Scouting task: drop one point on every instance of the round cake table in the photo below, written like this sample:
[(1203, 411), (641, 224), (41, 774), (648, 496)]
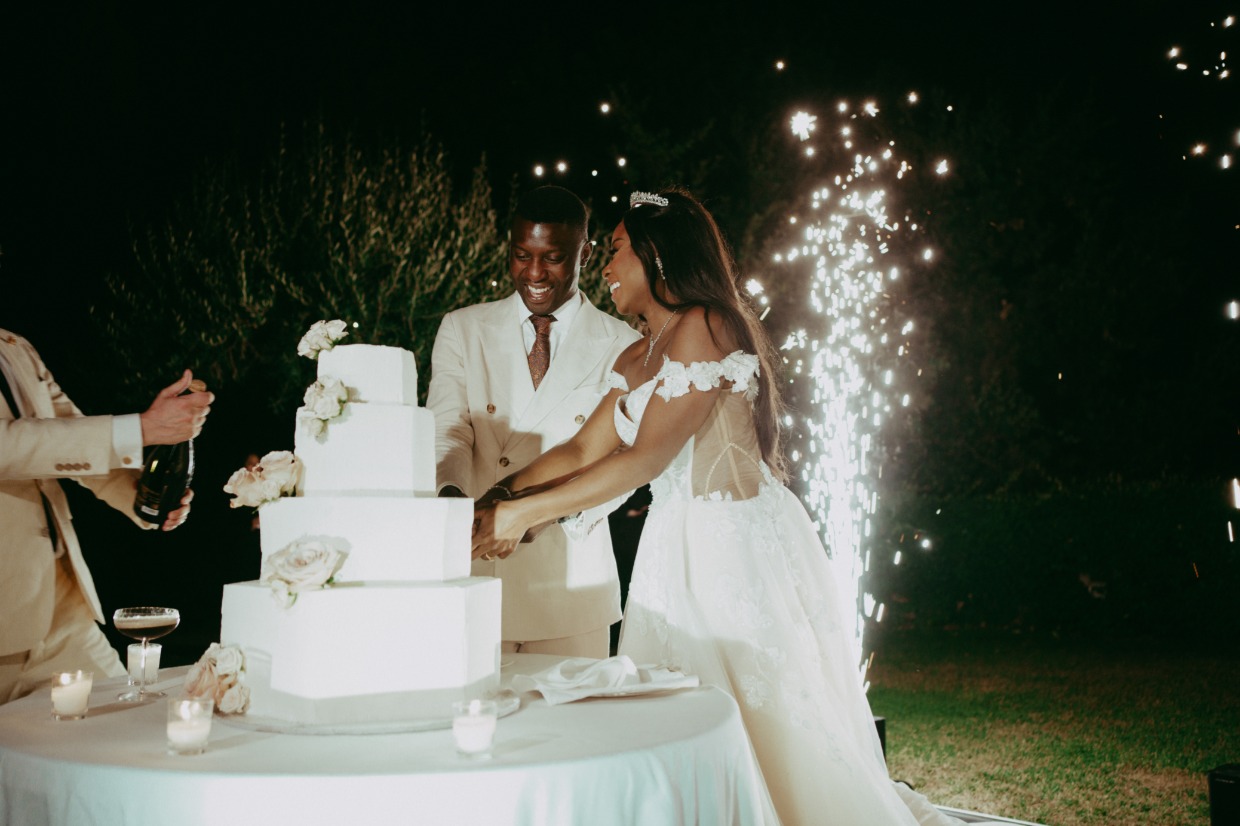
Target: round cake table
[(678, 757)]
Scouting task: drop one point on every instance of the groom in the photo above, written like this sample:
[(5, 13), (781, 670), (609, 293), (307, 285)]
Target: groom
[(511, 379)]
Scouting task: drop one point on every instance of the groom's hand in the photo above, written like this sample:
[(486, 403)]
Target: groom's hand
[(490, 540)]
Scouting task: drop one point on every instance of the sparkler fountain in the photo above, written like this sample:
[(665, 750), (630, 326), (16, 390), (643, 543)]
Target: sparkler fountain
[(850, 363)]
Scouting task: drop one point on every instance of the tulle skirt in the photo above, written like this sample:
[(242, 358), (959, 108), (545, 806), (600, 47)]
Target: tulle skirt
[(741, 593)]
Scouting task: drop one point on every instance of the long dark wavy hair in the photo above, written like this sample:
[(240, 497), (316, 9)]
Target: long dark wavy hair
[(701, 272)]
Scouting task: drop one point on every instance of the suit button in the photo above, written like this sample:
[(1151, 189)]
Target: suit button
[(60, 465), (127, 461), (86, 465), (45, 533), (580, 418), (503, 461), (490, 408), (75, 466)]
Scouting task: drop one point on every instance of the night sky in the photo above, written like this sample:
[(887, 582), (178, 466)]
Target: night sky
[(109, 111)]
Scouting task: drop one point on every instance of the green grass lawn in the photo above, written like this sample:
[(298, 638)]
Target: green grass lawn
[(1065, 733)]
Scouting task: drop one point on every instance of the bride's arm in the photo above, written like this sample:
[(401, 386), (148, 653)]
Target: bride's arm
[(666, 426), (596, 438)]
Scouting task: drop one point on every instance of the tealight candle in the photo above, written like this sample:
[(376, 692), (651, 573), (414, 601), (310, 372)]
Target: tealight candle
[(189, 724), (138, 675), (473, 727), (71, 694)]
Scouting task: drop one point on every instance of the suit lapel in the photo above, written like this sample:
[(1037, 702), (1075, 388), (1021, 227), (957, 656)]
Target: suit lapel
[(506, 368)]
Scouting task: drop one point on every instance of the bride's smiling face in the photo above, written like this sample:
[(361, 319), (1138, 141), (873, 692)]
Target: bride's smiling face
[(630, 289)]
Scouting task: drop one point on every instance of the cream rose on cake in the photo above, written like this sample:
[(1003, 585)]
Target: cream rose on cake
[(305, 565), (217, 675), (321, 336), (275, 475), (324, 400)]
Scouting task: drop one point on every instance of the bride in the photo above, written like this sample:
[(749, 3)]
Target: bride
[(731, 581)]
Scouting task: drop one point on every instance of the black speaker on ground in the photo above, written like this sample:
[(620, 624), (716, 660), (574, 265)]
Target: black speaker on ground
[(880, 723), (1224, 788)]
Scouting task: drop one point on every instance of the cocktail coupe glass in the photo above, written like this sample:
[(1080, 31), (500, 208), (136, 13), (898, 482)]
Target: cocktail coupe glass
[(144, 623)]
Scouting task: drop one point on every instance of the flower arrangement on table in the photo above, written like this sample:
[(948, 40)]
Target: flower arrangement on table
[(218, 675), (307, 564)]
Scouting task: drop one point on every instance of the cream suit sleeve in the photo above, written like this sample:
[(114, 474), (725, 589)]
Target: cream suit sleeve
[(448, 400), (57, 441)]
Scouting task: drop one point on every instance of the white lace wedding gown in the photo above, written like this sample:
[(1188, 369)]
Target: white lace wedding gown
[(732, 583)]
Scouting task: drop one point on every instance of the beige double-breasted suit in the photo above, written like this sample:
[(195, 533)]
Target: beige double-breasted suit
[(491, 422)]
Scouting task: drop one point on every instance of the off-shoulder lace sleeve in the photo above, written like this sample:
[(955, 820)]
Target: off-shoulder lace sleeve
[(616, 381), (739, 368)]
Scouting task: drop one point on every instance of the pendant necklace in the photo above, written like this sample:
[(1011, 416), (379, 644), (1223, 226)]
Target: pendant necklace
[(655, 339)]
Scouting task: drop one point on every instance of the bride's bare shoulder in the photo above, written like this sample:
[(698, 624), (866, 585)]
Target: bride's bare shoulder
[(700, 337), (630, 357)]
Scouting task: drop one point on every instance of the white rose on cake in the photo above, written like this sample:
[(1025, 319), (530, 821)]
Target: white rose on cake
[(305, 565), (274, 476), (322, 335), (324, 400), (250, 489), (283, 468)]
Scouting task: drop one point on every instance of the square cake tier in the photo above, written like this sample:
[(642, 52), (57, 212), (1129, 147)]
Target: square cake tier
[(369, 449), (359, 653), (373, 374), (386, 537)]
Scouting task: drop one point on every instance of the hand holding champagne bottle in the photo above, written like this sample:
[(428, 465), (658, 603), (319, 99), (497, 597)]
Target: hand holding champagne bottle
[(169, 425)]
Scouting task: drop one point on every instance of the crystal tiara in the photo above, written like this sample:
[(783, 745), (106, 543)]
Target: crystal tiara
[(639, 198)]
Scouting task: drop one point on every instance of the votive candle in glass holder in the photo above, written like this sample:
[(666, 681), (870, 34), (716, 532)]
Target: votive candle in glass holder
[(71, 694), (189, 724), (473, 727), (136, 666)]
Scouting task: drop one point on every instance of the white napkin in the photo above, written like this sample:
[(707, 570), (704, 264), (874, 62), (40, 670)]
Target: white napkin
[(579, 677)]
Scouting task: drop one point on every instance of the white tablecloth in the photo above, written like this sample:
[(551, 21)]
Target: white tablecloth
[(675, 758)]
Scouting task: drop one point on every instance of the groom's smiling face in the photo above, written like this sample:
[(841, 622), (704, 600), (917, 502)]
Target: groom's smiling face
[(545, 262)]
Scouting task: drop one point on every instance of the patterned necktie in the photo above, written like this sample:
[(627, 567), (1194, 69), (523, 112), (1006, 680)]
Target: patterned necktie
[(540, 353)]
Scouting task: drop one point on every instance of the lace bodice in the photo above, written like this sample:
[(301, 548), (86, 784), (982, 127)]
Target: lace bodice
[(723, 459)]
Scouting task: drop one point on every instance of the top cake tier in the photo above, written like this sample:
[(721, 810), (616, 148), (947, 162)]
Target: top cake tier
[(373, 374)]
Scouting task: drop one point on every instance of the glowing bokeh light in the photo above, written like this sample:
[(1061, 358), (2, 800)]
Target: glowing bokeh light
[(803, 124), (1208, 61)]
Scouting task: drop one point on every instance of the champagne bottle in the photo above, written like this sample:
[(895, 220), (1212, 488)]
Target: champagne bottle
[(166, 475)]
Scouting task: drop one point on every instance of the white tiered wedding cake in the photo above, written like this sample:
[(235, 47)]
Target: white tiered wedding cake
[(403, 629)]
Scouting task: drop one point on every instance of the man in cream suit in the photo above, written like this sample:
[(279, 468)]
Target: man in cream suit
[(505, 387), (48, 605)]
